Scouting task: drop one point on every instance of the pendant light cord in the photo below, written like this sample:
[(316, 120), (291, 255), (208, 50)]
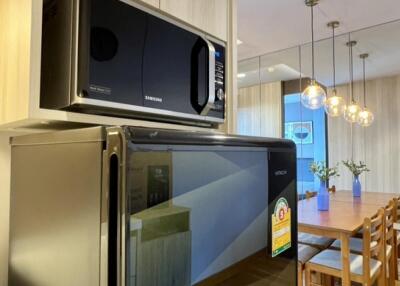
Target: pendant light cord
[(351, 69), (312, 42), (365, 97), (333, 58)]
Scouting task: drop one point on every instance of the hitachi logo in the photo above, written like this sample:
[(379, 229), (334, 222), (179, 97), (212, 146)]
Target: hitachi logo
[(281, 173), (152, 98)]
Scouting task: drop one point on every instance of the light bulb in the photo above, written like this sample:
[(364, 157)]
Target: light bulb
[(314, 96), (335, 105), (365, 117), (351, 113)]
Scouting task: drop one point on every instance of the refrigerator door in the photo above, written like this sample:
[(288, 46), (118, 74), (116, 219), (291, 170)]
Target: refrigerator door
[(206, 209)]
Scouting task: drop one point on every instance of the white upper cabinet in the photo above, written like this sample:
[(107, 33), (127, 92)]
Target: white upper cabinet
[(210, 16)]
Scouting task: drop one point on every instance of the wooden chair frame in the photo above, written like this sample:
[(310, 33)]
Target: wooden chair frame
[(396, 203), (374, 247), (390, 217)]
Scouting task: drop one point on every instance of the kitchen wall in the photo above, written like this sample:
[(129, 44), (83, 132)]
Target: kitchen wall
[(377, 145), (259, 110)]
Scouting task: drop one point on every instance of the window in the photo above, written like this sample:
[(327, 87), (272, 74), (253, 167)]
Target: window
[(307, 128)]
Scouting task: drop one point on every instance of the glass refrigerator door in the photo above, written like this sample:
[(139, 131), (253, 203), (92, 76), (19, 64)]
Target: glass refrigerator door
[(200, 215)]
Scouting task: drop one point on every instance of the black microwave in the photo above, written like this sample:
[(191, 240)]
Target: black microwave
[(119, 58)]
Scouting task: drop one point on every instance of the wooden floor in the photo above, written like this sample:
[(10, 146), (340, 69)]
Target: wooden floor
[(259, 270)]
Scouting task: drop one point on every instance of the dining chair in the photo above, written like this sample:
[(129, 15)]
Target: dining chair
[(391, 244), (366, 268), (310, 194), (304, 254), (356, 244), (397, 233)]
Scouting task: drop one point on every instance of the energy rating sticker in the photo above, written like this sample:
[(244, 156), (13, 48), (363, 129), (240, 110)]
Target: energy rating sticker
[(281, 234)]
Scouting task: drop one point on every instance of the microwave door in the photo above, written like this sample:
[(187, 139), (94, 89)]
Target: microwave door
[(178, 69)]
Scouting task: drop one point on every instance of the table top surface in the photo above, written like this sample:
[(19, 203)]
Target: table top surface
[(378, 199), (345, 214)]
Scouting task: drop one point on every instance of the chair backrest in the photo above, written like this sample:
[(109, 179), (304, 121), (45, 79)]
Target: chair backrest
[(390, 218), (310, 194), (374, 241), (397, 208)]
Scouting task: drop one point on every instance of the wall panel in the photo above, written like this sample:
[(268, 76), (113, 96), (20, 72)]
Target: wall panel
[(271, 109), (260, 110), (377, 145), (249, 111)]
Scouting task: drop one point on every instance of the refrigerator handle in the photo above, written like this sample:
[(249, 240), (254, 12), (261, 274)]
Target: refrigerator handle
[(113, 224)]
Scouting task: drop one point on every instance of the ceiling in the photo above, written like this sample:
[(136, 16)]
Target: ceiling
[(265, 26), (381, 41)]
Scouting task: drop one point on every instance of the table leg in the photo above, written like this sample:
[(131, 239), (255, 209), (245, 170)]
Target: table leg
[(344, 238)]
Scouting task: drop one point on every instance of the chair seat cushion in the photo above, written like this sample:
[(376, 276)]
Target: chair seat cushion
[(333, 259), (356, 245), (305, 252), (320, 242)]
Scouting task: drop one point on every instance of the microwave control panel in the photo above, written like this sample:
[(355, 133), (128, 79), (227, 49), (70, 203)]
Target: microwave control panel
[(219, 78)]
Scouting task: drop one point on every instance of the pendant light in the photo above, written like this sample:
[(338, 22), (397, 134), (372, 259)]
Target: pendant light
[(314, 96), (335, 105), (353, 109), (365, 117)]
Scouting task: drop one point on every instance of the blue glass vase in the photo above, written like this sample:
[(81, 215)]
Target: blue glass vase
[(356, 187), (323, 197)]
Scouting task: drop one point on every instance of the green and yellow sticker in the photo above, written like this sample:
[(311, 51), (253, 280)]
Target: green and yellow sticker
[(281, 227)]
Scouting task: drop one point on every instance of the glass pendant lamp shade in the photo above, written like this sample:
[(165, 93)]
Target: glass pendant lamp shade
[(334, 105), (351, 113), (314, 96), (353, 109), (365, 117)]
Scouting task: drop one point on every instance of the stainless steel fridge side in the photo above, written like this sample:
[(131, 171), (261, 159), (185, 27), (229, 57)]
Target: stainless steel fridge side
[(55, 209)]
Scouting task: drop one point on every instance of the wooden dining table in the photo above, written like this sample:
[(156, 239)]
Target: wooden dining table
[(343, 219)]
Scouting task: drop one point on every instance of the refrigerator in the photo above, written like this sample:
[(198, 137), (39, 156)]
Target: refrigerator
[(130, 206)]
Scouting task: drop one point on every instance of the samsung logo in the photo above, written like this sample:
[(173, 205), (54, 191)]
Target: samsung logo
[(281, 173), (152, 98)]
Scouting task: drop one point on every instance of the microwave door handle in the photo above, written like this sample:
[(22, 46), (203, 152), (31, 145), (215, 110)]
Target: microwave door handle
[(211, 78)]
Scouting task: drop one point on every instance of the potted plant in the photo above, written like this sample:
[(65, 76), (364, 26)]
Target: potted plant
[(356, 170), (324, 173)]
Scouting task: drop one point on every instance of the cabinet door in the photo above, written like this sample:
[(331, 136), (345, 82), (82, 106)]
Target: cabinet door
[(207, 15)]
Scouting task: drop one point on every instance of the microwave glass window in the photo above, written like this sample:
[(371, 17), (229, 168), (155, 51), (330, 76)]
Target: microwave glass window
[(117, 38)]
